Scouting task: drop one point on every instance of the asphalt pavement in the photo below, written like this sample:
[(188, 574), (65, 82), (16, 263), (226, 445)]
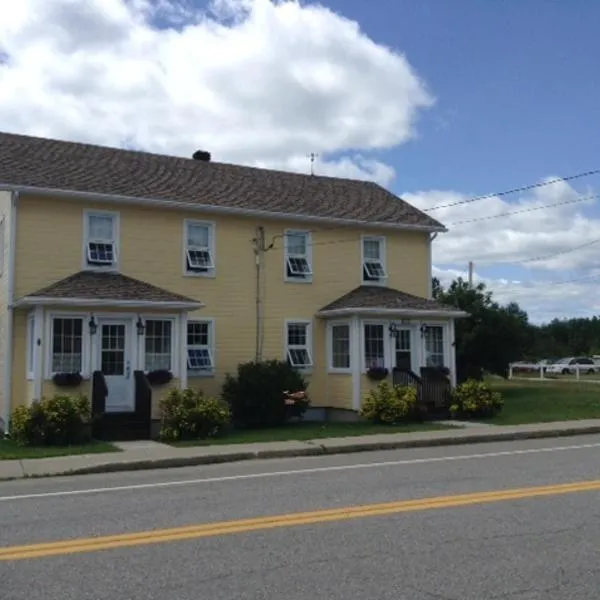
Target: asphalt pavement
[(463, 522)]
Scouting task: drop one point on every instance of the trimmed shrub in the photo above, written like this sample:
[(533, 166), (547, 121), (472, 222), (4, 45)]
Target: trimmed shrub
[(189, 415), (475, 399), (58, 421), (259, 395), (390, 405)]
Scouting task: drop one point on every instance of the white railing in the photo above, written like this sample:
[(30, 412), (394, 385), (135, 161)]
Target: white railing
[(529, 371)]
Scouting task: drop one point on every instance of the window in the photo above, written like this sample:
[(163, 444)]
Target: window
[(298, 257), (199, 248), (298, 345), (373, 266), (434, 346), (158, 345), (199, 346), (101, 239), (374, 346), (30, 345), (67, 344), (340, 346)]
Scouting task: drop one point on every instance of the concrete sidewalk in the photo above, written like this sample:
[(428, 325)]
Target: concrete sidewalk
[(153, 455)]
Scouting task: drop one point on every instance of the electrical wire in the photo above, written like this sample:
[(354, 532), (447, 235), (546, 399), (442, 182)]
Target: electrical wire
[(524, 188)]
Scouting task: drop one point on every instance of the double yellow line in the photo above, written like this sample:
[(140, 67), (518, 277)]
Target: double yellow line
[(178, 534)]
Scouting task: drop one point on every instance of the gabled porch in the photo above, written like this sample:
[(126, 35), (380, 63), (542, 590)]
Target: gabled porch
[(374, 328), (116, 339)]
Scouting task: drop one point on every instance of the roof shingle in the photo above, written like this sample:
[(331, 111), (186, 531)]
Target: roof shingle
[(375, 296), (44, 163), (92, 285)]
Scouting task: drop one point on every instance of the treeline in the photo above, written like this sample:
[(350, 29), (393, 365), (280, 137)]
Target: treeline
[(494, 335)]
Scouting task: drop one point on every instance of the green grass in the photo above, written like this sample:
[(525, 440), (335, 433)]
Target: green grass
[(310, 430), (544, 402), (11, 451)]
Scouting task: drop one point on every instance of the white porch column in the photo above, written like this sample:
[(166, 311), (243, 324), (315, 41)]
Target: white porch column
[(355, 360), (38, 351), (452, 352), (182, 350)]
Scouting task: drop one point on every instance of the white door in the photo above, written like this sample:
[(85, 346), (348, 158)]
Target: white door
[(115, 364), (402, 350)]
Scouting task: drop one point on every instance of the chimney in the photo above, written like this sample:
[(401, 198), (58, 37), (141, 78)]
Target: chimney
[(201, 155)]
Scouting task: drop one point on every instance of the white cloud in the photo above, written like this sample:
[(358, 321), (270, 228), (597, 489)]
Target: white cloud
[(252, 81)]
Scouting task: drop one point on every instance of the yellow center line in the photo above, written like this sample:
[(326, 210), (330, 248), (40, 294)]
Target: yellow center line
[(126, 540)]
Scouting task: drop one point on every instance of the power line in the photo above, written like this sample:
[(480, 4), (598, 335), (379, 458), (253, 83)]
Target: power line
[(524, 188), (560, 253)]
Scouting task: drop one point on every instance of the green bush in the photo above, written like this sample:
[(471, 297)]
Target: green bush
[(390, 405), (257, 394), (475, 399), (58, 421), (188, 414)]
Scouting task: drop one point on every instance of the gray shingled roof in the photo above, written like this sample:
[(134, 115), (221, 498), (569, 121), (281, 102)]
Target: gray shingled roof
[(92, 285), (375, 296), (44, 163)]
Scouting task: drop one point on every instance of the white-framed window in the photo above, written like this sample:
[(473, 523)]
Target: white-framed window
[(200, 347), (298, 336), (101, 239), (67, 345), (199, 248), (298, 256), (339, 346), (373, 260), (30, 345), (158, 345), (434, 346), (374, 345)]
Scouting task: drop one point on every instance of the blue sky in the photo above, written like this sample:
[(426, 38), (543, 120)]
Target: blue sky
[(438, 100)]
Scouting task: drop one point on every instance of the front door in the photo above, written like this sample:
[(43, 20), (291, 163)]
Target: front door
[(403, 350), (115, 364)]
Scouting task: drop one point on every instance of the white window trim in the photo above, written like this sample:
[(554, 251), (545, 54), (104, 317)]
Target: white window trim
[(174, 341), (309, 341), (212, 233), (308, 256), (330, 367), (211, 349), (387, 349), (383, 258), (115, 216), (30, 352), (85, 342)]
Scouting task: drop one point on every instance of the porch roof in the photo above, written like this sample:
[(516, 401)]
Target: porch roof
[(380, 300), (93, 288)]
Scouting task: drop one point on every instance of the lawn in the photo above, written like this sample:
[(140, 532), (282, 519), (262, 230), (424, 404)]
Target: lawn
[(311, 430), (543, 402), (11, 451)]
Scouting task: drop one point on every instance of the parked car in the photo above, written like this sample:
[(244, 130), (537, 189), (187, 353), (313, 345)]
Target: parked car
[(569, 366)]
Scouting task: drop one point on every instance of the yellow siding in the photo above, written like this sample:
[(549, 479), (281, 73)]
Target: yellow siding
[(158, 393), (338, 388), (19, 387), (367, 384), (50, 242)]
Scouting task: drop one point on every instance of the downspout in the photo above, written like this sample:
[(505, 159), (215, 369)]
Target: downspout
[(10, 290), (430, 265)]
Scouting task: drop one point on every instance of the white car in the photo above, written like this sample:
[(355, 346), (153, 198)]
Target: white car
[(570, 365)]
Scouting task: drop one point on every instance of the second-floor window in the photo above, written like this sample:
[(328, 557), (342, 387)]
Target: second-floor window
[(101, 239), (298, 256), (199, 248), (373, 260)]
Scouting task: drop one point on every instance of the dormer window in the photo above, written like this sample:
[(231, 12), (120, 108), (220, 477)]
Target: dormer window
[(298, 256), (373, 260), (101, 235)]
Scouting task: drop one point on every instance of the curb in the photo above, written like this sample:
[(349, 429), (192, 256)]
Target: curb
[(317, 450)]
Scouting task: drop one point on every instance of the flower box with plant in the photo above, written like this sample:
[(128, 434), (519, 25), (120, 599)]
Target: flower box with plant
[(67, 380), (159, 377), (377, 373)]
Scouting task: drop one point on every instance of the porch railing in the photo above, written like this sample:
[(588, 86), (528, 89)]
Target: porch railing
[(433, 387)]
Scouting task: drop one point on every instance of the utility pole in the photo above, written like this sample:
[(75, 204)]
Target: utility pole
[(312, 157), (260, 248), (471, 273)]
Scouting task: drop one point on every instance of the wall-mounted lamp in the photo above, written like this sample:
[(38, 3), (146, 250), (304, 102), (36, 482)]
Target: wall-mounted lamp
[(424, 329), (92, 325), (394, 330), (140, 326)]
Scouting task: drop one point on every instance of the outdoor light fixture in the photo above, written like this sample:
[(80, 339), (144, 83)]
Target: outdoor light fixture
[(394, 331), (424, 329), (92, 325), (140, 326)]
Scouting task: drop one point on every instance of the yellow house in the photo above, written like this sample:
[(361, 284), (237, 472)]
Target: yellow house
[(121, 270)]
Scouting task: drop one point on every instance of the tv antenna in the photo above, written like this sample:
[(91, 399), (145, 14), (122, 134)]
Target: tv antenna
[(312, 157)]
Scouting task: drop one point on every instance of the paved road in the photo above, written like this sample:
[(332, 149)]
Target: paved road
[(460, 543)]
